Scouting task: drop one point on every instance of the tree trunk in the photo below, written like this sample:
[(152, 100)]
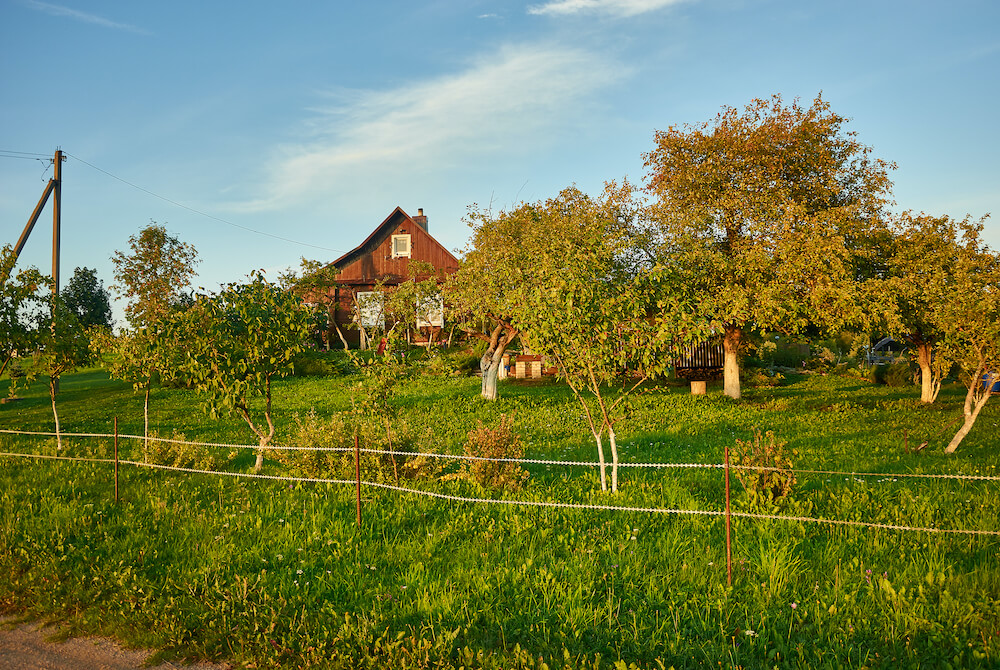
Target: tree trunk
[(53, 382), (145, 418), (975, 400), (731, 365), (600, 459), (927, 381), (614, 459), (490, 367), (341, 336)]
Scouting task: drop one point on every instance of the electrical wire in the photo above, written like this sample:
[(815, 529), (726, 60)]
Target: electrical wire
[(200, 213)]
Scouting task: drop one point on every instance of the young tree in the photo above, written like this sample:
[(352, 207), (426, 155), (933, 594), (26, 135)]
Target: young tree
[(153, 278), (760, 210), (417, 302), (87, 298), (63, 345), (154, 275), (969, 322), (607, 327), (921, 265), (20, 306), (312, 284), (488, 286), (237, 342)]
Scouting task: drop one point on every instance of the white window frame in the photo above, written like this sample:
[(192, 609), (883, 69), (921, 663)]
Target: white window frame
[(432, 307), (396, 252), (370, 312)]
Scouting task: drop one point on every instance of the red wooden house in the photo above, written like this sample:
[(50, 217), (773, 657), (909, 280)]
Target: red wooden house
[(384, 256)]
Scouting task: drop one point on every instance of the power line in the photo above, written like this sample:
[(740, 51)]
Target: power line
[(200, 213), (30, 154)]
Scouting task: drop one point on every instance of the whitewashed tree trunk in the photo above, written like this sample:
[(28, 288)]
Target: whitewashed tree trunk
[(53, 381), (600, 460), (731, 364), (614, 459), (490, 367), (975, 400)]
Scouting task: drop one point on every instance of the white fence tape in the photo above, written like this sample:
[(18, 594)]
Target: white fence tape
[(520, 503), (524, 461)]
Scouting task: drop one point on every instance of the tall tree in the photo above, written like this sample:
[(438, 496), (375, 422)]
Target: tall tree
[(87, 298), (760, 208), (237, 342)]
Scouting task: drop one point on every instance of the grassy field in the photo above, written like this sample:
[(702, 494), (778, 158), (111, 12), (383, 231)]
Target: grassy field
[(271, 573)]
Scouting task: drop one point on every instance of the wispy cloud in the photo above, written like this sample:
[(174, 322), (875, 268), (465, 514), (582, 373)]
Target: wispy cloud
[(507, 102), (613, 7), (59, 10)]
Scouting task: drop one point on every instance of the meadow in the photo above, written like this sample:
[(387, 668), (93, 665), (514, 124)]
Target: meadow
[(262, 573)]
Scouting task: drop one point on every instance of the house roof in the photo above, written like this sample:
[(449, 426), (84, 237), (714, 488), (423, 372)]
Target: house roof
[(372, 241)]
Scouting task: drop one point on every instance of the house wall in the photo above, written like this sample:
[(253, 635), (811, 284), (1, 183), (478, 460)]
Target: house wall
[(373, 261)]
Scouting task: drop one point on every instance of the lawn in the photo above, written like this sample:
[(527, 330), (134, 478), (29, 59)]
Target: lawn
[(265, 573)]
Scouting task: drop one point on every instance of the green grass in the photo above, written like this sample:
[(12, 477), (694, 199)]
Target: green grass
[(272, 574)]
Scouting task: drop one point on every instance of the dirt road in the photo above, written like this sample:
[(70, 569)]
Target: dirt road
[(26, 647)]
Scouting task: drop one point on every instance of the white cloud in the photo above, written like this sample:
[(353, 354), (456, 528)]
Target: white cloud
[(615, 7), (511, 101), (59, 10)]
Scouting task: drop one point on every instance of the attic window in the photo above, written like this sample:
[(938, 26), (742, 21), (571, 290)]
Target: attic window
[(400, 246)]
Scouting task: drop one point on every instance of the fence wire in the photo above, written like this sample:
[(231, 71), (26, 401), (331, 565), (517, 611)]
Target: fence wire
[(510, 502), (520, 461)]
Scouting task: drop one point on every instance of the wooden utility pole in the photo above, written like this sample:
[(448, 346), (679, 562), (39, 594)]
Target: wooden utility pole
[(56, 220), (53, 187)]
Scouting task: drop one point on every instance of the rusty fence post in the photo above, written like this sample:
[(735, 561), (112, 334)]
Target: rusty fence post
[(116, 460)]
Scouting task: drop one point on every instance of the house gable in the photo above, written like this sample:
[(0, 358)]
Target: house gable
[(374, 259)]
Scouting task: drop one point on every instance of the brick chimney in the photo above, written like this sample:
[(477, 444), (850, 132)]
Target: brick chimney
[(420, 219)]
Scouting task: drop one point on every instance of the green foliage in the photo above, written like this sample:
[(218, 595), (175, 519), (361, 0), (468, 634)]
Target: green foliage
[(236, 343), (153, 275), (763, 212), (21, 307), (314, 363), (894, 375), (87, 298), (770, 477), (500, 442), (176, 453)]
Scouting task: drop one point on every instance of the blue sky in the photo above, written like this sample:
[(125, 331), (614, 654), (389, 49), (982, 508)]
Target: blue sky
[(311, 121)]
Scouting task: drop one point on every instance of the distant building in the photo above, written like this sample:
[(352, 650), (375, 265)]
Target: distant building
[(384, 256)]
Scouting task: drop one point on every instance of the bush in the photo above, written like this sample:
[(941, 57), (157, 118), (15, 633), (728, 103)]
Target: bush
[(178, 454), (494, 443), (773, 480), (896, 375), (337, 432), (315, 363), (760, 378)]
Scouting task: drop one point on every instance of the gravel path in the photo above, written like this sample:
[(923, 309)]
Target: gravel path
[(26, 646)]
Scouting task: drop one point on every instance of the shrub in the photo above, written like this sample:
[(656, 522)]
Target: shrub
[(770, 477), (499, 442), (178, 454), (759, 378), (337, 432), (896, 375), (899, 375), (312, 362)]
